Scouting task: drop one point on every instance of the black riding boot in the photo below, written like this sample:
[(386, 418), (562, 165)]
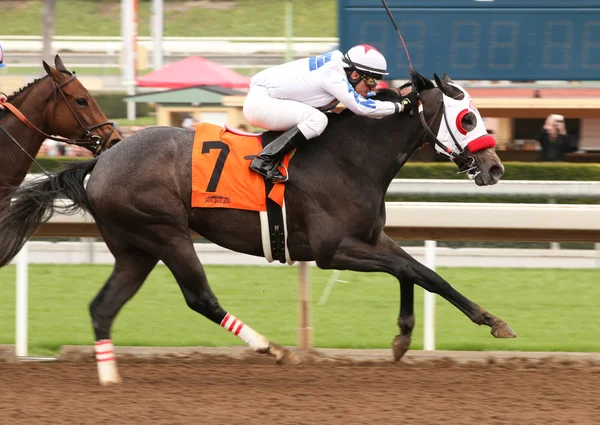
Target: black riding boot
[(267, 161)]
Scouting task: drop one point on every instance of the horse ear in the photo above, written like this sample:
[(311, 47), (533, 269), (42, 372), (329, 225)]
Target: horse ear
[(47, 68), (53, 73), (58, 63), (420, 82), (446, 78), (446, 88), (442, 85)]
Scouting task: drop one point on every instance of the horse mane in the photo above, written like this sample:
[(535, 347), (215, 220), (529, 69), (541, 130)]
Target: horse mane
[(37, 80), (22, 89)]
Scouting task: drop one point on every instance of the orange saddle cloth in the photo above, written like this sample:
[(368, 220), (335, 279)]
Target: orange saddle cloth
[(222, 178)]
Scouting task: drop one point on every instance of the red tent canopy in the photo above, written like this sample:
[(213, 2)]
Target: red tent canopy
[(193, 71)]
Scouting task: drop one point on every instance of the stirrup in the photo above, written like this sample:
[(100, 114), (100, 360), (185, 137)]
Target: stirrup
[(287, 175)]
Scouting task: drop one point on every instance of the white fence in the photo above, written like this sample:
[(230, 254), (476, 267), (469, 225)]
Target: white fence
[(172, 45), (107, 52), (552, 190), (93, 251), (405, 220)]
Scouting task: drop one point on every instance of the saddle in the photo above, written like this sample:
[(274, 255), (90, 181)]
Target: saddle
[(221, 178)]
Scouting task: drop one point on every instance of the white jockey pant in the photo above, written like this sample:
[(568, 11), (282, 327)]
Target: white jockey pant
[(261, 110)]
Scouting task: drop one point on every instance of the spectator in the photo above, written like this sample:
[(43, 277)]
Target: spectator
[(188, 121), (554, 140)]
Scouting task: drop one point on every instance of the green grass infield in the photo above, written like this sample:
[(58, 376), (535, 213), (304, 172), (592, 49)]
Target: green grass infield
[(550, 309)]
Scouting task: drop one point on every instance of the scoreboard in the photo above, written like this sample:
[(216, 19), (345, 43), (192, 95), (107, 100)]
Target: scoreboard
[(480, 39)]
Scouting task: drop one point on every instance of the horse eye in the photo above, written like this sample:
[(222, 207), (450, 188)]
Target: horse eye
[(469, 122), (81, 101)]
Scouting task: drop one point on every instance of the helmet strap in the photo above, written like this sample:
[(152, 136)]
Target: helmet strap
[(353, 81)]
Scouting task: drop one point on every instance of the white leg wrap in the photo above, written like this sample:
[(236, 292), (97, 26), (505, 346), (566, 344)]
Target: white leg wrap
[(244, 332), (107, 362)]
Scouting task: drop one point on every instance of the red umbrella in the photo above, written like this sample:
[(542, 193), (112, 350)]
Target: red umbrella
[(193, 71)]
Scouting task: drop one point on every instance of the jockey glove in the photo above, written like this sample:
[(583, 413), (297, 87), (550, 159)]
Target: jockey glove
[(410, 102)]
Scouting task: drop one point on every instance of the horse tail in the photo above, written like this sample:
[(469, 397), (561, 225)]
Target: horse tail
[(33, 205)]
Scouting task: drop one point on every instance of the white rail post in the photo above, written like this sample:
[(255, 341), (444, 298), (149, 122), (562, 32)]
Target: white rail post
[(21, 343), (429, 301)]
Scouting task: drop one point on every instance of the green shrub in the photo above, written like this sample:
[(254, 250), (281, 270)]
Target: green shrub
[(514, 171), (54, 163), (114, 107)]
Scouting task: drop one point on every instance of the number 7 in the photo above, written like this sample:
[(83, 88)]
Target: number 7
[(216, 174)]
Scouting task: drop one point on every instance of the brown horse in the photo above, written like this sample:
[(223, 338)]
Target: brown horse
[(140, 193), (57, 104)]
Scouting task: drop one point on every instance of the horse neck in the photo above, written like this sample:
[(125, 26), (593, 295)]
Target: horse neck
[(383, 146), (32, 102)]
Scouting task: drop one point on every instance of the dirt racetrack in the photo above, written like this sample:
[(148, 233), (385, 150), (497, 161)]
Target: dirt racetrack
[(199, 389)]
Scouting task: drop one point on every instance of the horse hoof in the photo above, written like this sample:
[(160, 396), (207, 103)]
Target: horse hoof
[(502, 330), (288, 359), (283, 356), (400, 346)]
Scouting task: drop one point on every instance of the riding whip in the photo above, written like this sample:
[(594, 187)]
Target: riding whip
[(387, 9)]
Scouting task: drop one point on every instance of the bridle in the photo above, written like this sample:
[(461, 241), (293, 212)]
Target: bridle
[(464, 161), (97, 144)]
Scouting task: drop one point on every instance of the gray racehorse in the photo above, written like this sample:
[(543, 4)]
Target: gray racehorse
[(140, 196)]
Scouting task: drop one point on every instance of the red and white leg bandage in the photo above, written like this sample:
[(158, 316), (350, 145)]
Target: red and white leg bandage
[(244, 332), (105, 351), (106, 361)]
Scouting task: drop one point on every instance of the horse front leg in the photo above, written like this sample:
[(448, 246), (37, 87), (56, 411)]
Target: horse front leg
[(406, 320), (433, 282), (386, 256)]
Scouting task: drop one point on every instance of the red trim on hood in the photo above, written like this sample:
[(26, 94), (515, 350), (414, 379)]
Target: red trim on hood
[(459, 118), (481, 143)]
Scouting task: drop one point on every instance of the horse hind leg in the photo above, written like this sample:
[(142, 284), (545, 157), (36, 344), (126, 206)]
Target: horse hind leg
[(178, 254), (132, 266)]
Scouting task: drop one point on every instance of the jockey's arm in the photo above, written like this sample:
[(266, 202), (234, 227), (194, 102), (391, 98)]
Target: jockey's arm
[(338, 85)]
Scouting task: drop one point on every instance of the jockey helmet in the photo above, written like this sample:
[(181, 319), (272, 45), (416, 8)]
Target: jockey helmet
[(366, 60), (1, 57)]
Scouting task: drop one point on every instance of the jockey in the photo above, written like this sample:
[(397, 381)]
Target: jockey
[(293, 96), (2, 64)]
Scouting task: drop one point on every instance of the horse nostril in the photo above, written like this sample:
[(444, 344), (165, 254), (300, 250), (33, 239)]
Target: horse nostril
[(496, 171)]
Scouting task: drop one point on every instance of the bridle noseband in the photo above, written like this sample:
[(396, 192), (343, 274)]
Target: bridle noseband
[(88, 138)]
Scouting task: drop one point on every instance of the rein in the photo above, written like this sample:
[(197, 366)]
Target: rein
[(88, 139), (465, 162)]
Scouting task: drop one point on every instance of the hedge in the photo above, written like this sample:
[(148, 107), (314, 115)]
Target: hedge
[(114, 107), (513, 171)]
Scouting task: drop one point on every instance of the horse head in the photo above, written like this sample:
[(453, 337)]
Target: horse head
[(75, 112), (456, 127)]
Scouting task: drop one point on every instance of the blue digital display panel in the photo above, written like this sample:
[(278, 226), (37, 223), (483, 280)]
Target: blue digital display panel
[(480, 40)]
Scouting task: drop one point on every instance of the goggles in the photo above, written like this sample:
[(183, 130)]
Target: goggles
[(369, 81)]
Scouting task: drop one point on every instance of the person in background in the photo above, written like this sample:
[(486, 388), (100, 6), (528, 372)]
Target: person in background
[(554, 140), (188, 121), (3, 97)]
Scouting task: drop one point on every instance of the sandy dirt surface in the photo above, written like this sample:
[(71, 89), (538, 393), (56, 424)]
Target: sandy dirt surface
[(217, 389)]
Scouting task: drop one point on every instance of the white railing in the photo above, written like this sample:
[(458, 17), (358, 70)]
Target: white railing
[(405, 220), (172, 45), (515, 188), (552, 190)]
